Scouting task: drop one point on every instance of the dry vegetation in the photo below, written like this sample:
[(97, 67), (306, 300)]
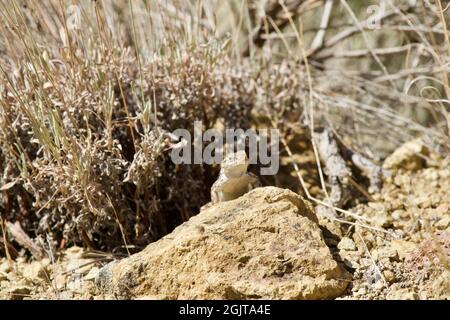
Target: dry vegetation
[(84, 159)]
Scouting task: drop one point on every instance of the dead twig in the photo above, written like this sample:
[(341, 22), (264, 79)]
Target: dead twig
[(364, 52), (319, 38), (335, 166), (24, 240), (273, 12), (4, 242)]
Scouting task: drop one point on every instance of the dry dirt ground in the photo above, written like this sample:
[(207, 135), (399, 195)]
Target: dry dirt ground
[(403, 255)]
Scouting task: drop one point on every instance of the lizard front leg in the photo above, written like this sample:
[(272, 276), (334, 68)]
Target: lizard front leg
[(217, 196), (214, 197), (253, 181)]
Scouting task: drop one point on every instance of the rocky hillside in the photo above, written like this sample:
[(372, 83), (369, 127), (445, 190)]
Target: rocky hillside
[(270, 244)]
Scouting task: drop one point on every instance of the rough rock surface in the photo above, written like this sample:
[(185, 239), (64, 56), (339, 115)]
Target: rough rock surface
[(264, 245), (409, 156), (414, 264)]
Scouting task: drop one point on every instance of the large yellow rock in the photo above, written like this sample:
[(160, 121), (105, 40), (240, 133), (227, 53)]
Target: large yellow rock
[(264, 245)]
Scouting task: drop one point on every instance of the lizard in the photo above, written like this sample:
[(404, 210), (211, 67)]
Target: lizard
[(234, 180)]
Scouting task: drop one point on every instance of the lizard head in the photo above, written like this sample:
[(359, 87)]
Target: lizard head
[(235, 164)]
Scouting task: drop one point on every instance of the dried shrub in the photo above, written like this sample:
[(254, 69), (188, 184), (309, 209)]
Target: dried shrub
[(82, 138)]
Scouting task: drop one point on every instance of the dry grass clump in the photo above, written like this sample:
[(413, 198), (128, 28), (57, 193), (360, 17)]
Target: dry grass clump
[(84, 158)]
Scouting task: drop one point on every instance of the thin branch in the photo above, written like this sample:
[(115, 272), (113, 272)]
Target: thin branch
[(24, 240), (319, 38), (364, 52)]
